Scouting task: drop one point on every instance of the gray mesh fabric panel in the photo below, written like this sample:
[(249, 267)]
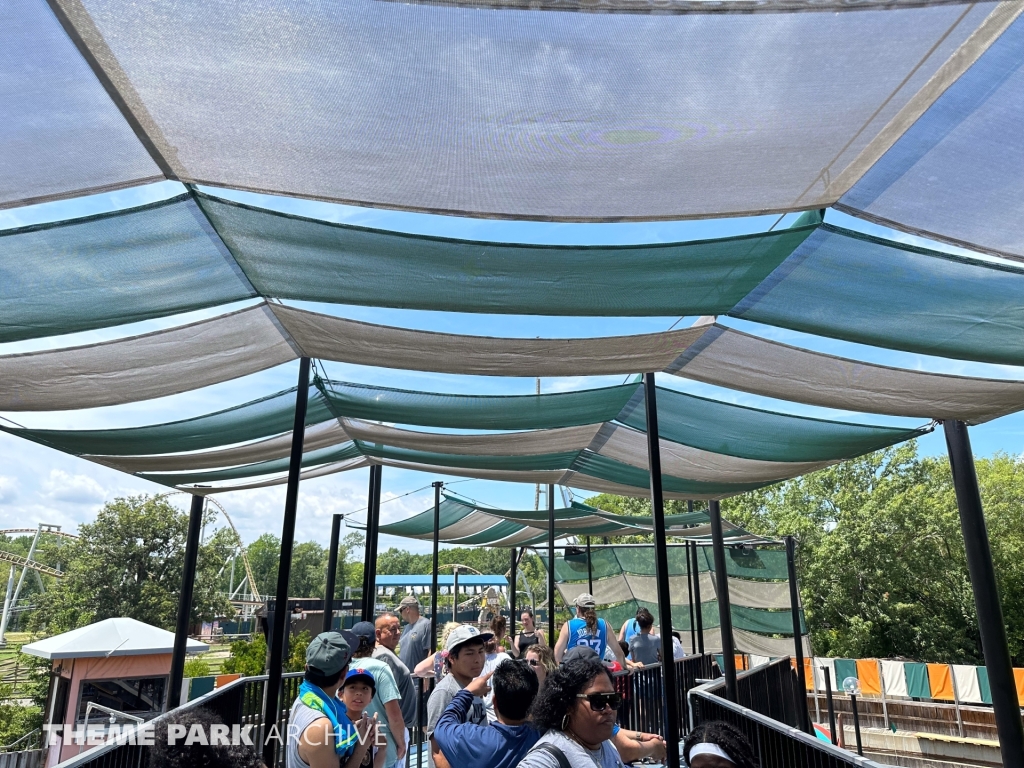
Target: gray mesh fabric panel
[(956, 174), (740, 361), (317, 436), (60, 133), (297, 258), (859, 288), (332, 338), (518, 112), (144, 367), (112, 269)]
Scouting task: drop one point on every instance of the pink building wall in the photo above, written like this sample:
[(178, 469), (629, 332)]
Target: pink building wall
[(79, 670)]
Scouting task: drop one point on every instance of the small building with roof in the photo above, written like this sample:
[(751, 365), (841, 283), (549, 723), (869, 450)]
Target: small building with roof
[(120, 664)]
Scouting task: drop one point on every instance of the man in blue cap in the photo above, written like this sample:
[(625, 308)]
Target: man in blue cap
[(320, 733)]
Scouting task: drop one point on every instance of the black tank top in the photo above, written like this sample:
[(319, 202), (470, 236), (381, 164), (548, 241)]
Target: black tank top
[(525, 641)]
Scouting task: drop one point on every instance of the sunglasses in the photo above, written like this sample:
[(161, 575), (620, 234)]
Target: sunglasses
[(533, 662), (598, 701)]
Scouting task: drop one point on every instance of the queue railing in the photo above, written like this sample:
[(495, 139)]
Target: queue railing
[(768, 713)]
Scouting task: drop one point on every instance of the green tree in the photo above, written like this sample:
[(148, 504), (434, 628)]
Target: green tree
[(129, 562), (197, 666), (248, 657)]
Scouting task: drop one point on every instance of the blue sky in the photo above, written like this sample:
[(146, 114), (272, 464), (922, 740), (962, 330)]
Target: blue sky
[(41, 485)]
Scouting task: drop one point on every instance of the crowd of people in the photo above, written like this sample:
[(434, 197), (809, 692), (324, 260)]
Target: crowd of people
[(491, 701)]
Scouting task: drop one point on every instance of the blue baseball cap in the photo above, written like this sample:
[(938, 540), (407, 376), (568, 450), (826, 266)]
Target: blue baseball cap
[(359, 675)]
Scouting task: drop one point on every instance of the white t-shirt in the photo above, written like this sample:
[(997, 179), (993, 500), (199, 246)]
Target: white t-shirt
[(677, 649), (490, 664), (578, 757)]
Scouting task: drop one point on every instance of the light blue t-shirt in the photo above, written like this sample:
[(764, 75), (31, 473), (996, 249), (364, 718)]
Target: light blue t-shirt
[(580, 635)]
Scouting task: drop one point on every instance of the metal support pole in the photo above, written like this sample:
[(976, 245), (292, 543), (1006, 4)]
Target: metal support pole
[(188, 581), (7, 605), (856, 724), (366, 546), (986, 596), (513, 578), (590, 570), (885, 706), (831, 706), (370, 608), (332, 573), (551, 566), (668, 668), (724, 607), (433, 577), (279, 628), (798, 640), (698, 607), (455, 593), (17, 590), (689, 598)]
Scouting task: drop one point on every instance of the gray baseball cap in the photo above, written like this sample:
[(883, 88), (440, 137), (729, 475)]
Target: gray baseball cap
[(328, 652), (585, 601), (580, 652)]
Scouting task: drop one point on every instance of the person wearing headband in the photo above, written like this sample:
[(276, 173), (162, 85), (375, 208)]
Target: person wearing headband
[(717, 744)]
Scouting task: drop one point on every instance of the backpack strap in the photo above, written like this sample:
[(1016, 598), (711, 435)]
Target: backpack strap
[(559, 755)]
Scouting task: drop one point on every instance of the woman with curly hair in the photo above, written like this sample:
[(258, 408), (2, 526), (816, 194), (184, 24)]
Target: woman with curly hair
[(576, 710), (542, 660), (718, 744)]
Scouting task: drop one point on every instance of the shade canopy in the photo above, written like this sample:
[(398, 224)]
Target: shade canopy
[(592, 439), (466, 523)]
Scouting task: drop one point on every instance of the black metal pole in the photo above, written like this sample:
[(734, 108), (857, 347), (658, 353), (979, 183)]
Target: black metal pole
[(698, 607), (513, 576), (590, 570), (279, 628), (668, 668), (188, 582), (332, 573), (831, 706), (366, 545), (455, 593), (856, 724), (689, 598), (724, 607), (551, 566), (375, 507), (986, 596), (798, 640), (433, 577)]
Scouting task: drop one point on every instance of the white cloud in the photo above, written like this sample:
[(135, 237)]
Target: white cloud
[(8, 489), (75, 489)]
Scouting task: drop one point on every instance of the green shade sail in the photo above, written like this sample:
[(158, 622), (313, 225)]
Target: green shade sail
[(267, 416), (752, 433), (299, 258), (490, 412), (114, 268), (860, 288)]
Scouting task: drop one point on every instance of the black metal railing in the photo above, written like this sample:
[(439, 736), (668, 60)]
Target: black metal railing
[(237, 703), (643, 693), (768, 713), (241, 703)]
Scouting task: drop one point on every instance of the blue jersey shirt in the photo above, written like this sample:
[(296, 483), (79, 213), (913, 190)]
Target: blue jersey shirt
[(580, 635)]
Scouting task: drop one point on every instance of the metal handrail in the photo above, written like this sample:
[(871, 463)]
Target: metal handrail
[(29, 735), (707, 692)]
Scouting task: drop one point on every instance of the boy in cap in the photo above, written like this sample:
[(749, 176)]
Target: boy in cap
[(587, 629), (357, 692), (320, 733), (464, 659), (386, 699)]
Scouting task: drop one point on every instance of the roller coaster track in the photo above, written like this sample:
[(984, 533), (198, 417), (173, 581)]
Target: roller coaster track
[(238, 537), (50, 532), (22, 562)]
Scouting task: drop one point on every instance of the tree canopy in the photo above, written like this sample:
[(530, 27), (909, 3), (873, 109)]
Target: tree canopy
[(129, 563)]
